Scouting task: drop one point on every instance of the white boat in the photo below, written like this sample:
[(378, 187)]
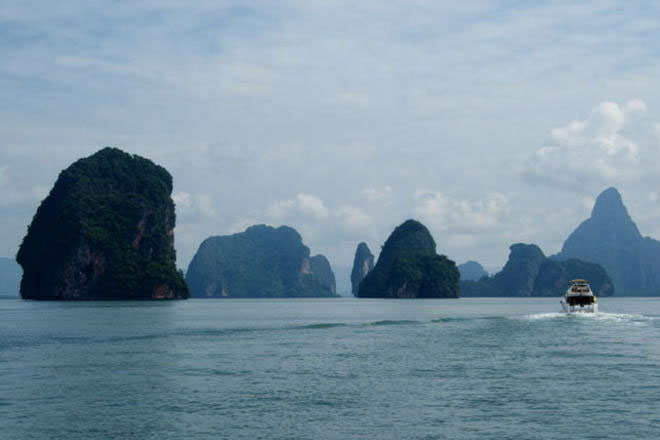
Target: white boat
[(579, 298)]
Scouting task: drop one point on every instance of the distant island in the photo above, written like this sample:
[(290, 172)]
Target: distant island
[(409, 267), (611, 238), (261, 262), (528, 272), (105, 232)]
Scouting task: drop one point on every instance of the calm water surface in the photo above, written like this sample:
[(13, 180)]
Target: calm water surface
[(329, 369)]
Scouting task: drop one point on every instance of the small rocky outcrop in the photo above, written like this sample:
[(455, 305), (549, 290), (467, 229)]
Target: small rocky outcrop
[(322, 272), (363, 263), (409, 267), (528, 272), (105, 232), (611, 238), (261, 262), (471, 270)]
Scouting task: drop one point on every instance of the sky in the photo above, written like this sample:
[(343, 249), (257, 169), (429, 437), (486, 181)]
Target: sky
[(492, 122)]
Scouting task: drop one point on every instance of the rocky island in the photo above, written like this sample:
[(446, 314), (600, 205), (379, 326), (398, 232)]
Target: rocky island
[(261, 262), (363, 263), (409, 267), (611, 238), (104, 232), (528, 272)]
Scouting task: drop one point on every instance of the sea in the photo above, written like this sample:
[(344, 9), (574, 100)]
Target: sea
[(475, 368)]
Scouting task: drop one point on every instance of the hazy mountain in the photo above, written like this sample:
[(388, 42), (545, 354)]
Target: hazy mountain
[(408, 267), (105, 231), (611, 238), (261, 262), (471, 270)]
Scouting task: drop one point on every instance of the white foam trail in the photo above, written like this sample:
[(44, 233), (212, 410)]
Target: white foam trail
[(599, 316), (543, 316)]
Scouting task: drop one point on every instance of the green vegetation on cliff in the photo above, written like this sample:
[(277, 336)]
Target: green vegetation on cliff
[(262, 262), (408, 267), (105, 231)]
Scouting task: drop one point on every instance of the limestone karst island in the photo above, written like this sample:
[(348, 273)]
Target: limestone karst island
[(105, 231)]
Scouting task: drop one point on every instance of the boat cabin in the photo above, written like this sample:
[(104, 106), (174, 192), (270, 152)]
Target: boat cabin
[(580, 286)]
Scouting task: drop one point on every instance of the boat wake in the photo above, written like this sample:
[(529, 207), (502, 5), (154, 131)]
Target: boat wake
[(598, 316)]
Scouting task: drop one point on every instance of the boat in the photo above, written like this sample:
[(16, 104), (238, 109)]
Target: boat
[(579, 298)]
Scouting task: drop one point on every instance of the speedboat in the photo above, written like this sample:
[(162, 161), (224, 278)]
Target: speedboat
[(579, 298)]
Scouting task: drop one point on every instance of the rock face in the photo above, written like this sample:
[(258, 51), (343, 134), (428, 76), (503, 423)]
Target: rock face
[(520, 271), (408, 267), (610, 238), (10, 277), (262, 262), (363, 263), (471, 270), (105, 232), (322, 272), (528, 272)]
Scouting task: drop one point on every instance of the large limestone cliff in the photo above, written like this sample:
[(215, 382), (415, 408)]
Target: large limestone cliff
[(105, 232), (408, 267), (261, 262), (611, 238)]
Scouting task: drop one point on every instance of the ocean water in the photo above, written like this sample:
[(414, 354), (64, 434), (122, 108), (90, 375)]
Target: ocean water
[(329, 369)]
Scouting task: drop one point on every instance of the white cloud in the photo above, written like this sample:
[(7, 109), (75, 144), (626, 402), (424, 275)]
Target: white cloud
[(194, 205), (635, 106), (311, 205), (377, 194), (447, 213), (181, 198), (306, 205), (352, 217), (590, 152)]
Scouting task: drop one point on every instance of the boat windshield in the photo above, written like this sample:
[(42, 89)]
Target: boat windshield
[(580, 300)]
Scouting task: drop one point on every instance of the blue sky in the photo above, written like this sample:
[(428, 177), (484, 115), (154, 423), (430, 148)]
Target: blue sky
[(493, 122)]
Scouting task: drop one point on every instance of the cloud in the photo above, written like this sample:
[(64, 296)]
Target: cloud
[(447, 213), (199, 206), (306, 205), (373, 194), (352, 217), (590, 152)]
